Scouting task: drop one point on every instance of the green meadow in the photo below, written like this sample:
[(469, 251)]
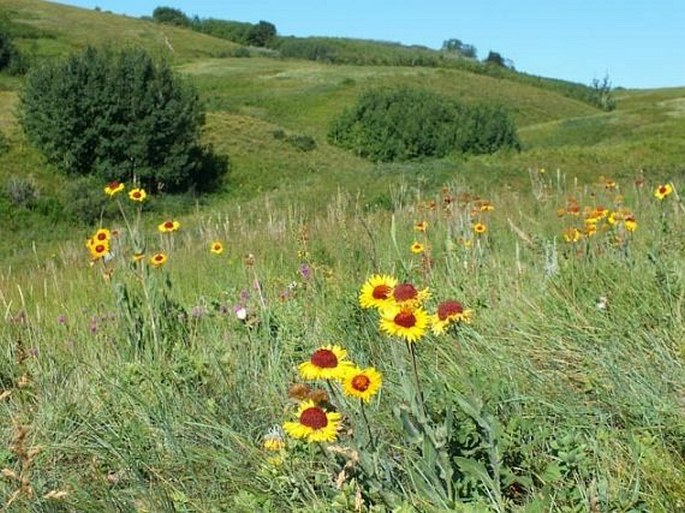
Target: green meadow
[(162, 380)]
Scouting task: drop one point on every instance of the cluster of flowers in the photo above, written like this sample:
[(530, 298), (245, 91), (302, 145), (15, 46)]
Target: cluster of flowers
[(316, 420), (595, 219), (99, 244), (401, 310)]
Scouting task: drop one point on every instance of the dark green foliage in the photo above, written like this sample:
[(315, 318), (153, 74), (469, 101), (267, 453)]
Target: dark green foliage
[(22, 192), (10, 59), (403, 124), (170, 16), (118, 115), (302, 142), (261, 34), (602, 95), (459, 47)]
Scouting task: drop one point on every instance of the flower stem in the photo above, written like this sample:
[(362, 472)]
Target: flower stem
[(419, 394), (368, 425)]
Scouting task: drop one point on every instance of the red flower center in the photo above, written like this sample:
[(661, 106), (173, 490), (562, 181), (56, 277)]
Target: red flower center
[(406, 319), (169, 225), (360, 382), (113, 185), (405, 292), (217, 247), (314, 418), (449, 309), (159, 258), (100, 248), (102, 236), (137, 194), (324, 359), (381, 292), (663, 189)]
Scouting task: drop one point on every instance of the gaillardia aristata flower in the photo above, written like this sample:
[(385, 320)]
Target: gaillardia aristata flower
[(421, 226), (102, 235), (480, 228), (449, 312), (274, 439), (663, 190), (362, 383), (217, 248), (328, 362), (408, 295), (113, 188), (377, 291), (572, 235), (137, 195), (407, 322), (158, 259), (417, 248), (169, 226), (97, 248), (314, 424)]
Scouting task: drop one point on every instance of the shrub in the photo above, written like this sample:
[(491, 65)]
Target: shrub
[(117, 115), (22, 192), (403, 124)]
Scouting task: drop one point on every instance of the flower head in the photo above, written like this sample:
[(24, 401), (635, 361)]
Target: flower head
[(480, 228), (137, 194), (102, 235), (327, 362), (113, 188), (405, 322), (362, 383), (217, 247), (408, 294), (663, 190), (98, 248), (417, 248), (314, 424), (630, 222), (158, 259), (169, 226), (421, 226), (449, 312), (377, 291)]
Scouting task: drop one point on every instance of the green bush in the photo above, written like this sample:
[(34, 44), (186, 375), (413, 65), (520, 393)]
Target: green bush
[(118, 115), (404, 124)]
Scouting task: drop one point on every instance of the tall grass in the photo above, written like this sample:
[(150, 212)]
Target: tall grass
[(565, 391)]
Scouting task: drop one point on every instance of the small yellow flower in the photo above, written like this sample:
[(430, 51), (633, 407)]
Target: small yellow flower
[(137, 194), (630, 223), (97, 248), (314, 424), (417, 248), (362, 383), (480, 228), (217, 247), (663, 190), (158, 259), (103, 234), (274, 440), (169, 226), (113, 188)]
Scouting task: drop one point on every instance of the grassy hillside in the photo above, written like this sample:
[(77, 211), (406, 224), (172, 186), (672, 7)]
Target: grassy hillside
[(52, 29)]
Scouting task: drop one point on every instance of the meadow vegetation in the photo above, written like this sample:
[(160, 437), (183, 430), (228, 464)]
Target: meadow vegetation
[(474, 333)]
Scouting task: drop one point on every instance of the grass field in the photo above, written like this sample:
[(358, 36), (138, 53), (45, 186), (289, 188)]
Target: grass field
[(163, 383)]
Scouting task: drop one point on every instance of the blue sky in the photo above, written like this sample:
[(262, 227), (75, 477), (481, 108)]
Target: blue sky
[(637, 43)]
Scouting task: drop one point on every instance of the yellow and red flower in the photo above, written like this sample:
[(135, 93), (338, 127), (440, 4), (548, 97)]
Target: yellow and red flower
[(362, 383), (169, 226), (409, 323), (572, 235), (406, 294), (421, 226), (314, 424), (217, 247), (449, 312), (158, 259), (377, 291), (327, 362), (663, 190), (113, 188), (480, 228), (97, 248), (137, 194), (417, 248)]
